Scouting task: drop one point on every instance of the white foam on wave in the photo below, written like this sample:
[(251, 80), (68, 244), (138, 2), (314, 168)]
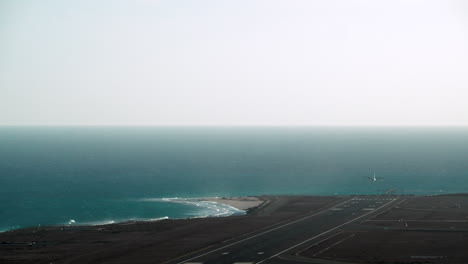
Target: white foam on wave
[(9, 228), (209, 208), (157, 219), (93, 223), (108, 222), (104, 222)]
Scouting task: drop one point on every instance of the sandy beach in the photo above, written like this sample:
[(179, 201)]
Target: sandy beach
[(241, 203), (375, 236), (150, 241)]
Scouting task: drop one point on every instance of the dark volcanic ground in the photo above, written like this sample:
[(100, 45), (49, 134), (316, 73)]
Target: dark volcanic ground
[(421, 229), (147, 242), (416, 229)]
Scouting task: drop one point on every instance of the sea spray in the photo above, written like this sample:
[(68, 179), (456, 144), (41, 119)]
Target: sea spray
[(210, 208), (49, 175)]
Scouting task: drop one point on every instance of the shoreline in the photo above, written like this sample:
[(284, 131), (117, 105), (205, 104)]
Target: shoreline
[(241, 203), (380, 225)]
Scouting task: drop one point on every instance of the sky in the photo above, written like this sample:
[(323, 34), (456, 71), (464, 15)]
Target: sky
[(237, 62)]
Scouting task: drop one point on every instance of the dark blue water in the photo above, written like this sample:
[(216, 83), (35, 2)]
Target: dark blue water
[(49, 175)]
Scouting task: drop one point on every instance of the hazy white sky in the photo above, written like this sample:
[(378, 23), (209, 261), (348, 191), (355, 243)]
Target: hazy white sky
[(237, 62)]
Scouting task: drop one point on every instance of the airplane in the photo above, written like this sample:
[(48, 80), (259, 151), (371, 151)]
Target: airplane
[(374, 178)]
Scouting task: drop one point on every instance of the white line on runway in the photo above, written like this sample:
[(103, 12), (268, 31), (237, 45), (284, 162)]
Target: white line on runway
[(388, 209), (341, 241), (318, 243), (268, 231), (436, 221), (328, 231)]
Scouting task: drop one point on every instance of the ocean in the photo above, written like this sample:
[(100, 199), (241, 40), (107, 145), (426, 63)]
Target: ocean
[(93, 175)]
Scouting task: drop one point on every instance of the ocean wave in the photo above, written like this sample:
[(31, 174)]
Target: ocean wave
[(108, 222), (157, 219), (209, 208), (9, 228), (202, 209)]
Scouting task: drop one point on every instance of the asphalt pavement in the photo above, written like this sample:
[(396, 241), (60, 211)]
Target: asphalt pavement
[(280, 243)]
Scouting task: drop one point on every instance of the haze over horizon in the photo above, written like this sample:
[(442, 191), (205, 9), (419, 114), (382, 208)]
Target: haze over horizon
[(227, 63)]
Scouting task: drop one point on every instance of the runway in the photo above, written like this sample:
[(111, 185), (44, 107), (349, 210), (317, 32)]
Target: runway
[(287, 230), (283, 241)]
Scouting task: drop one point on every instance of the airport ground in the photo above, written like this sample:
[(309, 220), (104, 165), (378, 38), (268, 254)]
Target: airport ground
[(284, 229)]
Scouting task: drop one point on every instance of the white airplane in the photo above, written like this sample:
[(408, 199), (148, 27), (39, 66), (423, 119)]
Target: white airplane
[(374, 178)]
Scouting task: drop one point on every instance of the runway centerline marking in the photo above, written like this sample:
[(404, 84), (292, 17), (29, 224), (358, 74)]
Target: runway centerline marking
[(328, 231), (265, 232), (399, 220), (318, 243), (341, 241)]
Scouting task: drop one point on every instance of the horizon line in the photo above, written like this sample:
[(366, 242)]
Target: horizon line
[(237, 125)]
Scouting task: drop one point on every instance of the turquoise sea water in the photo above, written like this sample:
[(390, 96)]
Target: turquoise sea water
[(50, 175)]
